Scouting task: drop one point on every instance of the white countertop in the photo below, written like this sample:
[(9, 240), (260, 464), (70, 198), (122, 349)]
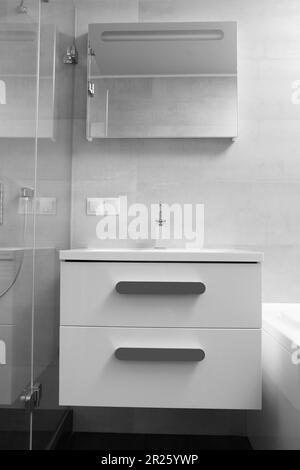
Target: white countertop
[(167, 255)]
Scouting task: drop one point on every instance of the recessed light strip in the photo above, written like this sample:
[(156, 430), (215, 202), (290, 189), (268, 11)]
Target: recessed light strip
[(171, 35)]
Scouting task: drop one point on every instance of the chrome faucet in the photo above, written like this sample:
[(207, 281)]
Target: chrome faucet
[(160, 241), (160, 220)]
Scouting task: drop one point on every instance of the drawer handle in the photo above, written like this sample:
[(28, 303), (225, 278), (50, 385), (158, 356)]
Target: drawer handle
[(160, 288), (159, 354)]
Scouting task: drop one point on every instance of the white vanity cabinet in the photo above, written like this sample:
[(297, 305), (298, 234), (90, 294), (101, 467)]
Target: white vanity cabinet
[(171, 329)]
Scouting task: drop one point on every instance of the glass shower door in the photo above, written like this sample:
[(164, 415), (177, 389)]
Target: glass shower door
[(19, 46), (53, 201)]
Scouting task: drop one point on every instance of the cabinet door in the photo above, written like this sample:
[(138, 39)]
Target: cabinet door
[(163, 107), (160, 368), (196, 295)]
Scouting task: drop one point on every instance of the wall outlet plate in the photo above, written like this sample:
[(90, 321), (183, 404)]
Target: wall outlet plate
[(43, 206), (103, 206), (46, 206)]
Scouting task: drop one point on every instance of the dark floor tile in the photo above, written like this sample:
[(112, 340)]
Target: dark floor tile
[(14, 440)]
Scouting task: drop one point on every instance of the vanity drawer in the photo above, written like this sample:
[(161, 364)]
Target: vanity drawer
[(210, 295), (160, 368)]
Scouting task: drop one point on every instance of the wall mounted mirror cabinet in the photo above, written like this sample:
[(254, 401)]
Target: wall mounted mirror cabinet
[(162, 80)]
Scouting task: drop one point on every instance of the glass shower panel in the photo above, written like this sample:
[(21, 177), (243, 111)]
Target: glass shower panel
[(19, 43), (53, 194)]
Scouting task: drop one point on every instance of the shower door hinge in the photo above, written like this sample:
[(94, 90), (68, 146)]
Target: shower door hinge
[(31, 397), (91, 51), (91, 89)]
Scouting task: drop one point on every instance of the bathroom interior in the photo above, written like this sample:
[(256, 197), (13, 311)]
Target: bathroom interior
[(111, 341)]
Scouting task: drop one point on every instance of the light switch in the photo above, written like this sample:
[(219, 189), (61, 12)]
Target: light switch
[(103, 206)]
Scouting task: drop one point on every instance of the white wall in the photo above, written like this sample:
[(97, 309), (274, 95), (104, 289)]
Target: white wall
[(250, 188)]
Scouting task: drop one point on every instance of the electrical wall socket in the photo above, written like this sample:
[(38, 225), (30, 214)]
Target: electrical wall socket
[(103, 206), (43, 206)]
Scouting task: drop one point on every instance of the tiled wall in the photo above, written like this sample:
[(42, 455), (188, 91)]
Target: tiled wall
[(250, 188)]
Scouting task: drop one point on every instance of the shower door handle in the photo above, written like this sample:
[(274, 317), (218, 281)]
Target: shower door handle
[(160, 288), (160, 354)]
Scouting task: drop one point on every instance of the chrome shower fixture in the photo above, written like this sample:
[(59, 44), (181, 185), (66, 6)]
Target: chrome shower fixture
[(27, 193), (22, 9), (71, 56), (91, 89)]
